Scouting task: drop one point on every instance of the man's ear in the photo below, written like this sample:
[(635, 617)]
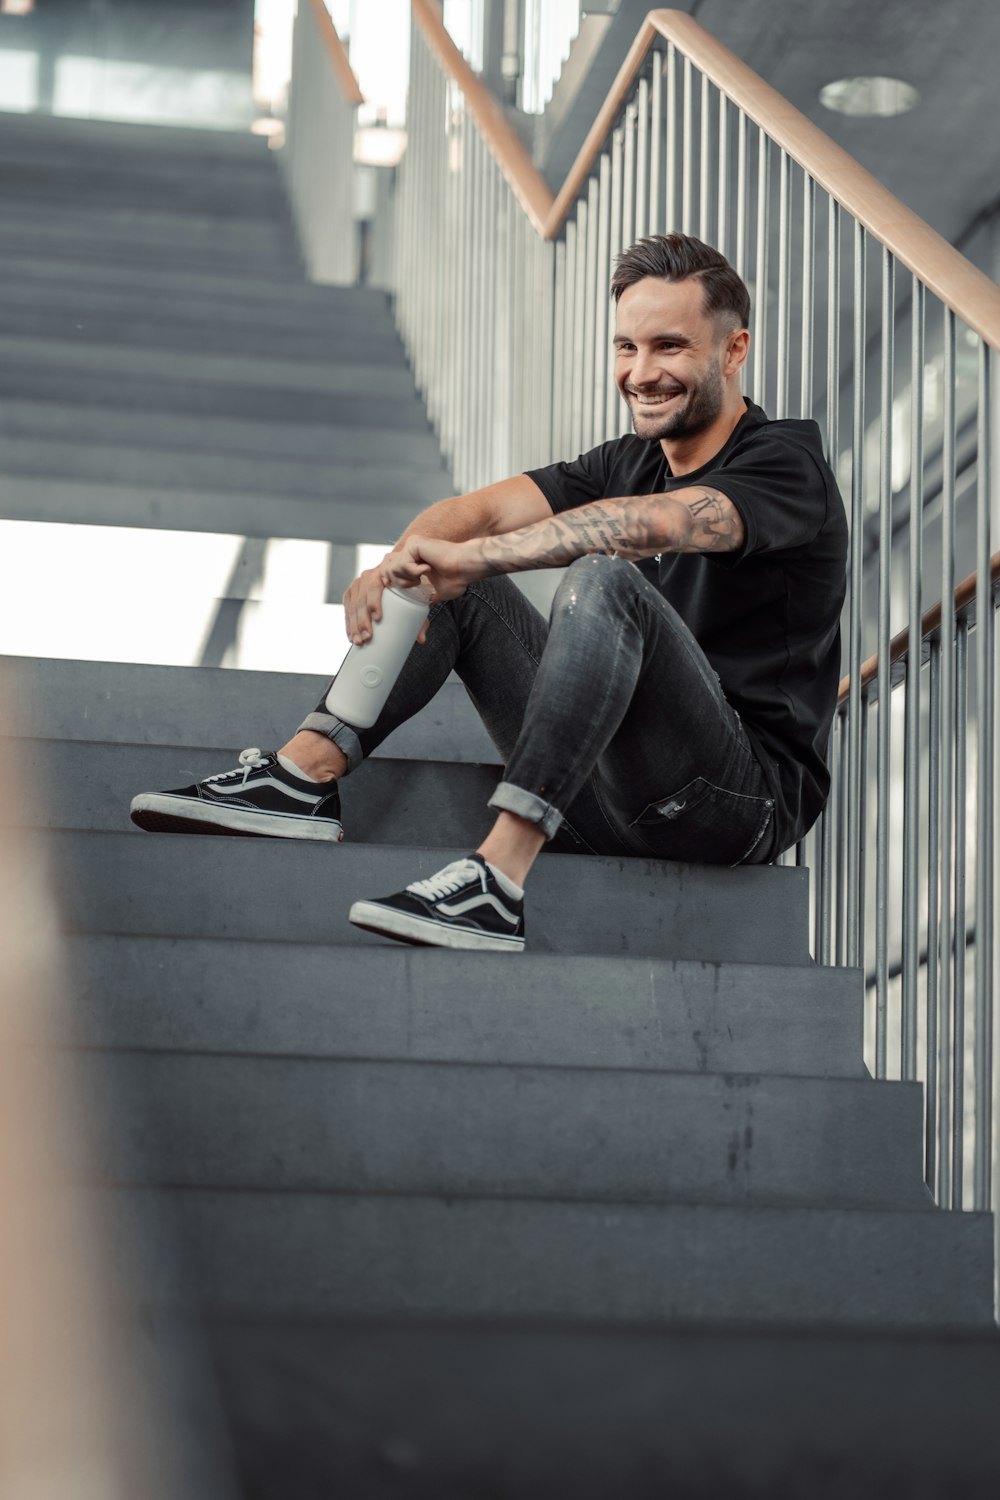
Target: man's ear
[(737, 349)]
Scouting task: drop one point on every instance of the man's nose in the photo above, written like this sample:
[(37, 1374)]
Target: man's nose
[(646, 370)]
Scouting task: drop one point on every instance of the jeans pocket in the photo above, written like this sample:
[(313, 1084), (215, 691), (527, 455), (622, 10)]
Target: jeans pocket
[(704, 824)]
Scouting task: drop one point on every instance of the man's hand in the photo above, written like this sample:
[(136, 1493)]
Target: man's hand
[(363, 602), (448, 567)]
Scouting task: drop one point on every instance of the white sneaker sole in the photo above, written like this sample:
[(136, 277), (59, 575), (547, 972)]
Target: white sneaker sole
[(396, 924), (158, 813)]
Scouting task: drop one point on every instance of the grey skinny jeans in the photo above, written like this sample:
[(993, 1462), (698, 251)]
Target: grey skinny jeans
[(612, 725)]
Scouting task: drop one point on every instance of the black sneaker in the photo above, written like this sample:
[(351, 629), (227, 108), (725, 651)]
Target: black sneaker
[(462, 906), (259, 799)]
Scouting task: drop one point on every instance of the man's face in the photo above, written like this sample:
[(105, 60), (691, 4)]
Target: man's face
[(668, 358)]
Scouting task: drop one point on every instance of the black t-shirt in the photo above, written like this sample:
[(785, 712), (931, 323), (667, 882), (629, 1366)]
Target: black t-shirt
[(767, 617)]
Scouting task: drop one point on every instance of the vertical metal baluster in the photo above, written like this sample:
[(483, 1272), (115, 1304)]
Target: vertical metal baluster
[(824, 902), (946, 805), (628, 178), (841, 942), (863, 824), (656, 144), (549, 371), (560, 363), (601, 366), (642, 161), (911, 753), (932, 1149), (670, 143), (784, 279), (760, 269), (722, 209), (585, 375), (808, 295), (741, 195), (883, 750), (984, 794), (687, 222), (704, 149), (856, 771), (958, 980), (833, 335), (628, 223), (612, 415), (579, 365), (571, 336)]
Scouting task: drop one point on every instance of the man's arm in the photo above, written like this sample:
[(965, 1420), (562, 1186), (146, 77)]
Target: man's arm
[(510, 505), (694, 519)]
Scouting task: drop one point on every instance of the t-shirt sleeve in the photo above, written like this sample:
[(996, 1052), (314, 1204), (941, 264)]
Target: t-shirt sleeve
[(576, 481), (779, 491)]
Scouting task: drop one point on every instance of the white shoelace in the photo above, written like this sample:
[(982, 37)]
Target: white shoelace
[(250, 760), (447, 881)]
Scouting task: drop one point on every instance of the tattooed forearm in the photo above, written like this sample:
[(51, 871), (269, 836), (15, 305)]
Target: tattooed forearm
[(694, 520)]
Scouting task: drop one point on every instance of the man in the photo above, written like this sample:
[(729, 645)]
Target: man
[(678, 702)]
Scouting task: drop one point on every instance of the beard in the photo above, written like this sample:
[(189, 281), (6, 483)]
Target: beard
[(698, 411)]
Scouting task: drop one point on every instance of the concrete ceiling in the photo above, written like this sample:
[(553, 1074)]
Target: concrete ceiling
[(942, 159)]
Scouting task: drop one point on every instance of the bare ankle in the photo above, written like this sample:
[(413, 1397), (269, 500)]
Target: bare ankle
[(316, 755)]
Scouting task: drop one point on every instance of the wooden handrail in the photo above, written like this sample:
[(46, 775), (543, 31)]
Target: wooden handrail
[(942, 268), (930, 624), (335, 51)]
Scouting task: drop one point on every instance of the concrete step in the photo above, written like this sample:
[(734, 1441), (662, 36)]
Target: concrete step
[(255, 254), (386, 801), (162, 395), (76, 294), (298, 1255), (88, 139), (334, 1408), (219, 995), (591, 1135), (170, 327), (327, 443), (177, 885), (329, 482), (128, 703), (264, 293), (320, 377), (59, 499), (224, 188), (163, 228)]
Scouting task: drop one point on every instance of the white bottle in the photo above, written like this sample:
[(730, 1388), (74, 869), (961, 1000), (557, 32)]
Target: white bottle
[(358, 692)]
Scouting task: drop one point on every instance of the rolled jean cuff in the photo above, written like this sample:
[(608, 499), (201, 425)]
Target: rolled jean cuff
[(514, 799), (342, 735)]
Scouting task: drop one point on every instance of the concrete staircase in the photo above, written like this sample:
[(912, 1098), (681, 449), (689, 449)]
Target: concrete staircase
[(622, 1212)]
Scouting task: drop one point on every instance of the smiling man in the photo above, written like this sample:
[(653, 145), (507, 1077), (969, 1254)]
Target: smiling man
[(678, 701)]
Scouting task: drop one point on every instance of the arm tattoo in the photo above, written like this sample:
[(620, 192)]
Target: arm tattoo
[(695, 520)]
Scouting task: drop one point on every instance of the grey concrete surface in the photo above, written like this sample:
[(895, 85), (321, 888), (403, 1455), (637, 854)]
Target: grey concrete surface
[(130, 703), (166, 468), (63, 499), (332, 1255), (172, 884), (397, 1002), (458, 1130), (531, 1413), (386, 801), (169, 430)]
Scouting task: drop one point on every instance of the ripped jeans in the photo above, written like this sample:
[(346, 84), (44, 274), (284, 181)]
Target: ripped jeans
[(615, 734)]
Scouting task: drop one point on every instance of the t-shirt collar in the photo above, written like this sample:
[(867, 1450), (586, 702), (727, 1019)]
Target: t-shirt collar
[(752, 417)]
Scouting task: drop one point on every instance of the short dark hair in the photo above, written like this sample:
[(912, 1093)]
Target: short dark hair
[(679, 257)]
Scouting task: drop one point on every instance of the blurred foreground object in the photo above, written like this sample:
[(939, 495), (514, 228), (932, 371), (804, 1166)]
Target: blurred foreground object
[(75, 1421)]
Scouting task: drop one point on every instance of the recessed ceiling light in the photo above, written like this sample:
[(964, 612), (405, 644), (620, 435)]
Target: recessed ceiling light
[(869, 96)]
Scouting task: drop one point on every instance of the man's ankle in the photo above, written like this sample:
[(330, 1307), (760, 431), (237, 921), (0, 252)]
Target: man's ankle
[(316, 755)]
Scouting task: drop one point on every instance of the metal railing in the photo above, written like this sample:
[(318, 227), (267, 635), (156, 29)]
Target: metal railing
[(318, 156), (864, 319)]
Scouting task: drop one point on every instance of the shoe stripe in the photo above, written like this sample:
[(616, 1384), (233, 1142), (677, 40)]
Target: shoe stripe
[(236, 792), (481, 898)]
